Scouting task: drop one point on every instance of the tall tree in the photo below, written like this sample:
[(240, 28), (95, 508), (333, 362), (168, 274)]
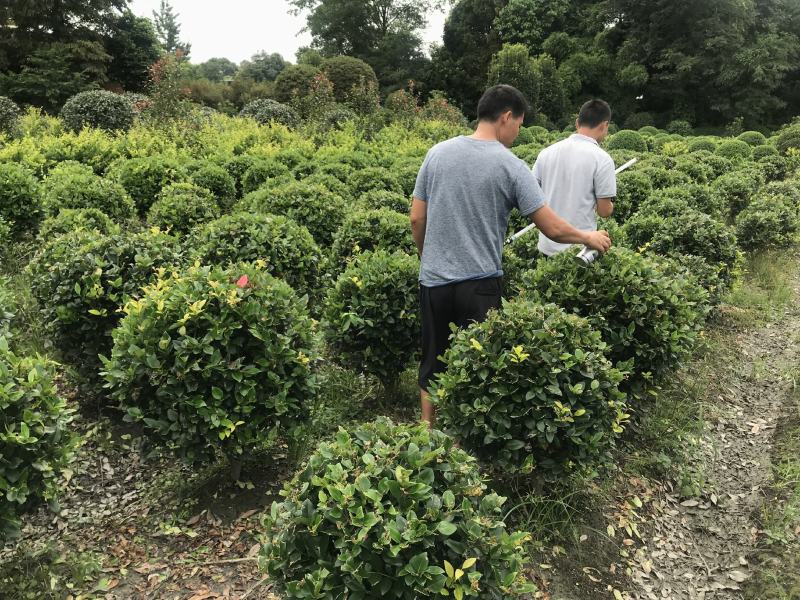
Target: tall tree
[(133, 47), (169, 30), (470, 39), (28, 25), (263, 67), (385, 33), (217, 69)]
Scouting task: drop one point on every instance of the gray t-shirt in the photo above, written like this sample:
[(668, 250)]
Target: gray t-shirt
[(574, 173), (470, 187)]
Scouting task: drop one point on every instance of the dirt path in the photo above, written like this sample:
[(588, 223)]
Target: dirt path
[(703, 548)]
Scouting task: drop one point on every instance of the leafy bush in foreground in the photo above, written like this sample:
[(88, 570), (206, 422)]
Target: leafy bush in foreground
[(35, 442), (391, 511)]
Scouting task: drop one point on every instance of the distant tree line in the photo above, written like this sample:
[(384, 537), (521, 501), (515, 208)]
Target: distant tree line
[(706, 62)]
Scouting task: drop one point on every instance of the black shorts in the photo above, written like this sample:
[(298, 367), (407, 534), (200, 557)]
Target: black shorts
[(459, 303)]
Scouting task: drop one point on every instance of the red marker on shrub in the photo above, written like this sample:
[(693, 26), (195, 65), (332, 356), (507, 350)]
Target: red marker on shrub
[(243, 282)]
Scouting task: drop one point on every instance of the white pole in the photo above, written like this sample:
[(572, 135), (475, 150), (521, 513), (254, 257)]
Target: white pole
[(532, 226)]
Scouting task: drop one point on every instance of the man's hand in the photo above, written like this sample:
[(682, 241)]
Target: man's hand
[(598, 240)]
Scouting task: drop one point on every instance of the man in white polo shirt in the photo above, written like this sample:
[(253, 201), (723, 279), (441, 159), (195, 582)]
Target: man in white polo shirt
[(577, 175)]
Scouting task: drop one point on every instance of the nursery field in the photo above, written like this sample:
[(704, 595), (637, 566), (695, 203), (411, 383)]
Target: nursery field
[(208, 341)]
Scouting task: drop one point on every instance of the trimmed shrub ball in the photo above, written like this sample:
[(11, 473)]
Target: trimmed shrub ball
[(267, 111), (364, 230), (287, 249), (20, 200), (214, 361), (627, 140), (650, 331), (97, 108), (390, 511), (531, 387), (72, 185), (182, 206), (371, 315), (144, 178)]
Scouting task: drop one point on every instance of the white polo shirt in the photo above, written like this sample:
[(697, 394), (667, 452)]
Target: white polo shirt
[(574, 173)]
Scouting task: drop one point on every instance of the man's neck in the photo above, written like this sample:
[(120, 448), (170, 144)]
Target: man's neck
[(485, 132), (590, 133)]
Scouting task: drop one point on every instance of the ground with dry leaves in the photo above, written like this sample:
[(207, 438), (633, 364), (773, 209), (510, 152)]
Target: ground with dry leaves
[(134, 523)]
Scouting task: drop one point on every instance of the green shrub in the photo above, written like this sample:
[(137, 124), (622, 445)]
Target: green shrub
[(72, 219), (752, 138), (662, 177), (371, 315), (788, 139), (774, 168), (8, 306), (374, 178), (312, 206), (718, 164), (697, 170), (144, 178), (620, 157), (330, 183), (264, 171), (20, 200), (406, 173), (530, 387), (735, 190), (646, 130), (347, 72), (71, 185), (363, 230), (735, 150), (287, 248), (390, 511), (760, 152), (655, 327), (702, 143), (182, 206), (680, 127), (519, 257), (691, 232), (767, 222), (267, 111), (385, 199), (633, 188), (627, 139), (81, 279), (294, 81), (237, 167), (218, 181), (698, 197), (9, 116), (788, 191), (35, 442), (97, 108), (214, 360)]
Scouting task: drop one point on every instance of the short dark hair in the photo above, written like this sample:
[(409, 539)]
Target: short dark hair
[(593, 113), (500, 99)]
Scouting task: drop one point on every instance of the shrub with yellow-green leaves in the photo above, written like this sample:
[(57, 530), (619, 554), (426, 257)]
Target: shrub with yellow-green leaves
[(81, 280), (392, 511), (214, 360), (531, 387)]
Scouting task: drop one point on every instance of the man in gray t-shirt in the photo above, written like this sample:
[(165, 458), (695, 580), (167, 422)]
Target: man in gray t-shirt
[(465, 191), (577, 175)]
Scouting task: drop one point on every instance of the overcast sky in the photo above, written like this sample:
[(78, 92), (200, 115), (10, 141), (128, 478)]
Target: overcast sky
[(237, 29)]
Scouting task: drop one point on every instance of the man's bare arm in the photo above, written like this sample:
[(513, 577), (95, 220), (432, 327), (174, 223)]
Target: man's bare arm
[(559, 230), (605, 207), (419, 221)]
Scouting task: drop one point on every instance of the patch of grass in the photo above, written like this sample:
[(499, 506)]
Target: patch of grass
[(28, 329), (779, 574), (765, 288)]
